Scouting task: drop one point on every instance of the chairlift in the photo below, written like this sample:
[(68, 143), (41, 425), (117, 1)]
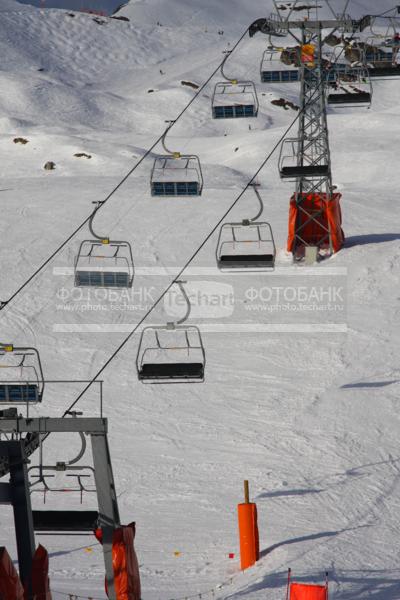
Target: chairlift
[(176, 174), (312, 166), (246, 246), (171, 353), (382, 55), (280, 65), (352, 88), (21, 375), (102, 262), (233, 99)]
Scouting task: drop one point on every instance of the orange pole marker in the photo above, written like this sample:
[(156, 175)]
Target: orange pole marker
[(248, 531)]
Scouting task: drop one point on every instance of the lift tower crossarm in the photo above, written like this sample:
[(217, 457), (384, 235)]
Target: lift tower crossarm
[(45, 425), (272, 26)]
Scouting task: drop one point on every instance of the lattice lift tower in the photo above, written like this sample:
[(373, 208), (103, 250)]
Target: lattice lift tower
[(306, 160)]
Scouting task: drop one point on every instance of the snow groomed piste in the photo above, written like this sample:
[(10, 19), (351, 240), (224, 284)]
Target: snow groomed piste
[(175, 353)]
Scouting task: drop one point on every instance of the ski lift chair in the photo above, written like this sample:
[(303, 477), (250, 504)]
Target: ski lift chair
[(233, 99), (65, 522), (103, 263), (21, 375), (176, 174), (312, 166), (273, 70), (382, 58), (247, 246), (382, 52), (352, 88), (173, 353)]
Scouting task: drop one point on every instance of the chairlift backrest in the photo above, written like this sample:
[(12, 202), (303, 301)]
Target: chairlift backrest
[(234, 100), (176, 176), (104, 265), (275, 70)]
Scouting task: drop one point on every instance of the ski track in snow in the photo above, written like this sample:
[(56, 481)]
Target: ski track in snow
[(310, 419)]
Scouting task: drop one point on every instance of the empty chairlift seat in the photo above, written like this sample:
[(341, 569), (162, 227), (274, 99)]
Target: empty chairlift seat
[(171, 354), (65, 522), (21, 375), (274, 70), (104, 264), (311, 167), (176, 176), (246, 246), (233, 100)]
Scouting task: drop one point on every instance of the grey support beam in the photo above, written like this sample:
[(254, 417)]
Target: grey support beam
[(54, 425), (21, 503), (107, 502)]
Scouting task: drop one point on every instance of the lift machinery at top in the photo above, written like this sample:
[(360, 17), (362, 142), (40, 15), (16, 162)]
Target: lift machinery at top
[(176, 174), (102, 262), (246, 246), (171, 353), (21, 375), (233, 99)]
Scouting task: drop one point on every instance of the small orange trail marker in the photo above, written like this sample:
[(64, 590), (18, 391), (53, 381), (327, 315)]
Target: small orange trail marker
[(177, 553), (248, 531)]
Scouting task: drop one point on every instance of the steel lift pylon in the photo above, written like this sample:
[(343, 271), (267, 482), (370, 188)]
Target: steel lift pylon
[(306, 159)]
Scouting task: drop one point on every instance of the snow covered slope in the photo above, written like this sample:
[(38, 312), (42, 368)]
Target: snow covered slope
[(301, 403)]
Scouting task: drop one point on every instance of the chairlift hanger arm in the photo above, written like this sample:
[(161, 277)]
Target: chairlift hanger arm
[(255, 185), (163, 140), (186, 297), (102, 238), (81, 451), (229, 79)]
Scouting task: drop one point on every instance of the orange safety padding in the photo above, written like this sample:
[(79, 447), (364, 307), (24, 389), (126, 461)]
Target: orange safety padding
[(40, 575), (307, 53), (10, 584), (303, 591), (248, 534), (314, 231), (125, 562)]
